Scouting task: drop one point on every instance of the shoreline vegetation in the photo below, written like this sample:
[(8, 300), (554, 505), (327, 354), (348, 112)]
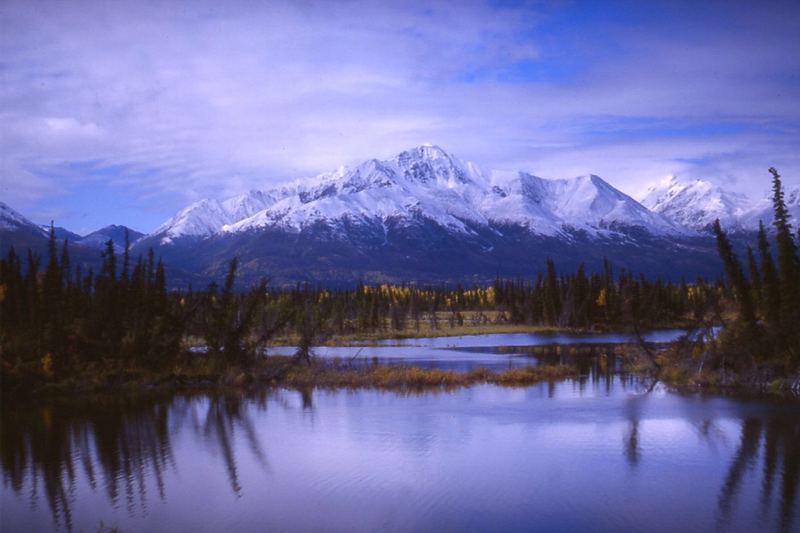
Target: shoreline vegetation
[(64, 329), (282, 371), (677, 369)]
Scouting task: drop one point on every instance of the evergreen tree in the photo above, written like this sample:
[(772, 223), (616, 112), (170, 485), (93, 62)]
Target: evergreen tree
[(733, 270), (126, 258), (770, 288), (755, 278), (552, 296), (787, 261)]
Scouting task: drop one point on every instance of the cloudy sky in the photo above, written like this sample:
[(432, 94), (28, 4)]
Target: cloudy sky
[(125, 111)]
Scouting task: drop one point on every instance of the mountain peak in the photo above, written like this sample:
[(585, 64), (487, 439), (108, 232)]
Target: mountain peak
[(425, 151), (431, 164), (113, 232), (696, 203), (423, 183)]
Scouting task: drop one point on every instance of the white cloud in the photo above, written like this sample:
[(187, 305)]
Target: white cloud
[(210, 98)]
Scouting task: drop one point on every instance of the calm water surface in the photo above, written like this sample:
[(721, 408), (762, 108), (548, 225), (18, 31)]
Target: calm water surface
[(496, 351), (584, 455)]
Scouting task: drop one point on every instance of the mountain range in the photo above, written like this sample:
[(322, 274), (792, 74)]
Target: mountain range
[(426, 216), (16, 230), (696, 204)]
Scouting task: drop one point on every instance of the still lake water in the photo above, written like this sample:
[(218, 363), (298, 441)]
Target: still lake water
[(591, 454), (496, 351)]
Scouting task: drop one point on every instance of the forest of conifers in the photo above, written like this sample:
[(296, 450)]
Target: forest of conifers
[(57, 321)]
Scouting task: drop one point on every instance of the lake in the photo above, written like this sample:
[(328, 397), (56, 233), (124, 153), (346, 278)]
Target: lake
[(592, 454), (496, 351)]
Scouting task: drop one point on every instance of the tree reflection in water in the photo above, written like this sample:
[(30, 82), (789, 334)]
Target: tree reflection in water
[(123, 447), (118, 442), (776, 444), (773, 440), (224, 414)]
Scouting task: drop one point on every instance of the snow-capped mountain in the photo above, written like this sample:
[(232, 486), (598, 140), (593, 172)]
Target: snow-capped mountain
[(697, 204), (424, 215), (424, 185), (13, 221), (206, 217), (552, 207), (763, 210)]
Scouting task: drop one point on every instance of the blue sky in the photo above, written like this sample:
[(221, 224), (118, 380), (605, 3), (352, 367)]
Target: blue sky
[(124, 112)]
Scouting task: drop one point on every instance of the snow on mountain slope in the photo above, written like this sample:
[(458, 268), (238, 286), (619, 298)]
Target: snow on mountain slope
[(11, 220), (762, 210), (207, 217), (423, 184), (697, 204), (585, 203), (525, 200)]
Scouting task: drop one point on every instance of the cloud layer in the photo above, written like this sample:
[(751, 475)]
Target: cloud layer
[(142, 106)]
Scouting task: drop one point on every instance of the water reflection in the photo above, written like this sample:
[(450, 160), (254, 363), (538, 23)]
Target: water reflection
[(120, 444), (772, 442), (114, 442), (223, 415), (82, 460)]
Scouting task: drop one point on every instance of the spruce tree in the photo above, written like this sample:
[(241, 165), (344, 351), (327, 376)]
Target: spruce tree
[(52, 275), (126, 258), (552, 294), (735, 275), (787, 266), (65, 262), (755, 278), (771, 295)]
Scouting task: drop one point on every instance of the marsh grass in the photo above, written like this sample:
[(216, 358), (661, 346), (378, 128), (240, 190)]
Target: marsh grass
[(203, 373), (409, 377)]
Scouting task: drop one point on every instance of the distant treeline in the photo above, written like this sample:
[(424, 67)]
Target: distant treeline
[(57, 322)]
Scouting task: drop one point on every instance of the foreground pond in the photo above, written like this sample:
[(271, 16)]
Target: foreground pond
[(585, 455), (495, 351)]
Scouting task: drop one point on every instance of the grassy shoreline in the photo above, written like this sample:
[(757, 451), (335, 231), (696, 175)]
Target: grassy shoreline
[(672, 367), (283, 372), (279, 371)]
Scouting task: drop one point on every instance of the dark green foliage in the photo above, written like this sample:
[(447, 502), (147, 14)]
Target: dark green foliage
[(770, 301), (768, 322), (736, 278), (788, 266), (228, 320), (57, 324), (552, 296), (755, 274)]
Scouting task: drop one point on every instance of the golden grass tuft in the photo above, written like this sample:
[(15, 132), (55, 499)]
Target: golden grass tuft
[(409, 377)]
